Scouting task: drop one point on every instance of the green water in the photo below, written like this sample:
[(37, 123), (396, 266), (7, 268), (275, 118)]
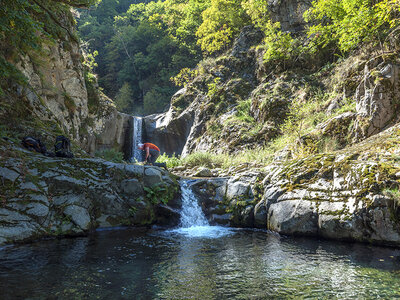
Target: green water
[(238, 264)]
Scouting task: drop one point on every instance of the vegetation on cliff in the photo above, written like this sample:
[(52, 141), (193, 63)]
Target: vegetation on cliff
[(26, 25)]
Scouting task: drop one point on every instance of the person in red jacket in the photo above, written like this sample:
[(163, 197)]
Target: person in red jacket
[(152, 152)]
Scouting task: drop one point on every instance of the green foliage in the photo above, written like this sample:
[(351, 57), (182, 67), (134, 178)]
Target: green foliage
[(243, 111), (143, 45), (157, 194), (280, 46), (222, 21), (348, 23), (170, 161), (154, 102), (202, 159), (111, 155), (89, 60), (93, 96), (213, 87), (124, 98), (184, 76), (257, 10)]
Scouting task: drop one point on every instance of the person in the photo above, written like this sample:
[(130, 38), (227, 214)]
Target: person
[(152, 152)]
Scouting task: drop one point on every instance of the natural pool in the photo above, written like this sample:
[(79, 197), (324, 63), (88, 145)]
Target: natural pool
[(202, 263), (197, 261)]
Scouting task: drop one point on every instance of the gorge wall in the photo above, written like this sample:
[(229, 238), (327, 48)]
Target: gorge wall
[(63, 98)]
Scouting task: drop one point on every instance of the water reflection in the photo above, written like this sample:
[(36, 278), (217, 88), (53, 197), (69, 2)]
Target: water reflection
[(169, 265)]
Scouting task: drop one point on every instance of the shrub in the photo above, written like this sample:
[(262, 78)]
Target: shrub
[(280, 46), (184, 76), (171, 161)]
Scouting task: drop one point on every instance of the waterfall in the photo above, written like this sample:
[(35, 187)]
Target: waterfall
[(191, 214), (193, 221), (136, 154)]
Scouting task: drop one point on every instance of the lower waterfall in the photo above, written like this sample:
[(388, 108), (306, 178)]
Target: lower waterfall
[(193, 221)]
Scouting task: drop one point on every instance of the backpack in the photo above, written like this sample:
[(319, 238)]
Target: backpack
[(62, 147), (33, 144)]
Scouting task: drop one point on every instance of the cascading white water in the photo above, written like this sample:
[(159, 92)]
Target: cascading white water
[(193, 221), (136, 154), (191, 214)]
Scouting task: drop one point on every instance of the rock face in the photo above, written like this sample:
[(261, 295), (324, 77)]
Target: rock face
[(289, 13), (377, 98), (340, 196), (170, 130), (112, 130), (59, 93), (183, 129), (43, 196), (58, 89)]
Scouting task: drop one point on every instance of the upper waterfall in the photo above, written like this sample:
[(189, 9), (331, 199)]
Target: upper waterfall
[(137, 124)]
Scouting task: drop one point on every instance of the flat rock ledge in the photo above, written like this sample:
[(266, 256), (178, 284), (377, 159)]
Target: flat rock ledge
[(42, 197)]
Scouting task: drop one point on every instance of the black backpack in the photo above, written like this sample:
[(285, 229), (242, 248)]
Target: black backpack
[(33, 144), (62, 147)]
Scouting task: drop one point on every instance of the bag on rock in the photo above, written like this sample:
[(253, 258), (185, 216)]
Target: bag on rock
[(62, 147), (33, 144)]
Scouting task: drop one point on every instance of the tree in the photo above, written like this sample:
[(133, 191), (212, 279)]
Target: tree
[(222, 21), (348, 23), (123, 100)]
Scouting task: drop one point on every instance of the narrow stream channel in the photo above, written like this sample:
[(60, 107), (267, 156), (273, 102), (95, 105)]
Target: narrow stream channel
[(197, 261)]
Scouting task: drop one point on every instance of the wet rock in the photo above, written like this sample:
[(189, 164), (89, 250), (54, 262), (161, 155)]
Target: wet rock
[(37, 210), (260, 215), (102, 221), (142, 214), (79, 216), (167, 215), (10, 216), (134, 170), (221, 219), (20, 232), (293, 217), (70, 199)]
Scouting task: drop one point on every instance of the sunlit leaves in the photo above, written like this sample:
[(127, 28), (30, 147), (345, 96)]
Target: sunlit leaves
[(221, 22), (348, 23)]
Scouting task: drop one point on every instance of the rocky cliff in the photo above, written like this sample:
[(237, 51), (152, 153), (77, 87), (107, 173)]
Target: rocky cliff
[(62, 98)]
